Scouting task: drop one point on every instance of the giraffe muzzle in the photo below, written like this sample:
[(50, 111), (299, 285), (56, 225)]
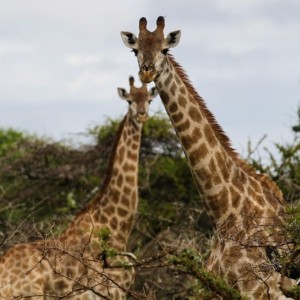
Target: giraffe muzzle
[(147, 74), (142, 118)]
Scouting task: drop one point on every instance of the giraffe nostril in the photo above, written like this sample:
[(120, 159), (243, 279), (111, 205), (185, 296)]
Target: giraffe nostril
[(147, 68)]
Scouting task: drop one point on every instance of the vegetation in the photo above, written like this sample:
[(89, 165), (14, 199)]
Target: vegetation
[(43, 184)]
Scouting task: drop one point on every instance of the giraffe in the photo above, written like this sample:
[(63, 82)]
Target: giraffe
[(76, 265), (247, 209)]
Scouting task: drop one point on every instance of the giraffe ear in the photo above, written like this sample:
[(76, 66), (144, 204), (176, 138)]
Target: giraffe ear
[(129, 39), (123, 94), (153, 92), (173, 38)]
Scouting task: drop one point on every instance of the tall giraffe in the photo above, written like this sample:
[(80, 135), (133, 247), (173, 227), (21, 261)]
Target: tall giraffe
[(70, 266), (247, 209)]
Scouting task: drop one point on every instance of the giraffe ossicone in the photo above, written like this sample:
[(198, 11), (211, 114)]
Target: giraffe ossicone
[(246, 208), (76, 265)]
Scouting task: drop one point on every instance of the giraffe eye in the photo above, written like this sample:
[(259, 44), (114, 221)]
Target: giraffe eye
[(135, 51), (165, 51), (129, 102)]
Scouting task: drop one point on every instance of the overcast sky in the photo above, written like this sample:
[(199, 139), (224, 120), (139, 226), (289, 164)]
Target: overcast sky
[(61, 62)]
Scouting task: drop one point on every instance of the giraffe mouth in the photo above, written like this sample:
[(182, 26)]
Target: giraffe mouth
[(142, 118), (147, 76)]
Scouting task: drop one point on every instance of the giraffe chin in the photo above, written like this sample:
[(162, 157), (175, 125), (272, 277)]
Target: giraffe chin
[(147, 76)]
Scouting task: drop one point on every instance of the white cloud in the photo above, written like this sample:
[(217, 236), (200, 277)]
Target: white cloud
[(86, 81), (15, 47), (82, 59)]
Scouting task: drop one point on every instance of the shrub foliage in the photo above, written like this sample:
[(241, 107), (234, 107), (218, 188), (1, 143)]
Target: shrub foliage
[(43, 184)]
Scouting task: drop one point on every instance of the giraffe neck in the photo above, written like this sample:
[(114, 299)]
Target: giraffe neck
[(221, 176), (123, 165), (115, 205)]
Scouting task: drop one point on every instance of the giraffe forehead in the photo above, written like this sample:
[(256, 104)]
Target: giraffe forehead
[(139, 94), (150, 41), (140, 100)]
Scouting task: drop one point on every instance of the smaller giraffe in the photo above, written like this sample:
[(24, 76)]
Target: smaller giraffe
[(76, 265)]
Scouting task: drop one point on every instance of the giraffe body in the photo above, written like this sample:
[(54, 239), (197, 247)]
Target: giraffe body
[(247, 209), (76, 265)]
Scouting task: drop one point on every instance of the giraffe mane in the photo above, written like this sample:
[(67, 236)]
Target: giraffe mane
[(223, 138)]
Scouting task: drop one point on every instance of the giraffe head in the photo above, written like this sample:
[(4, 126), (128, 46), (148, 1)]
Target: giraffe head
[(138, 99), (151, 48)]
